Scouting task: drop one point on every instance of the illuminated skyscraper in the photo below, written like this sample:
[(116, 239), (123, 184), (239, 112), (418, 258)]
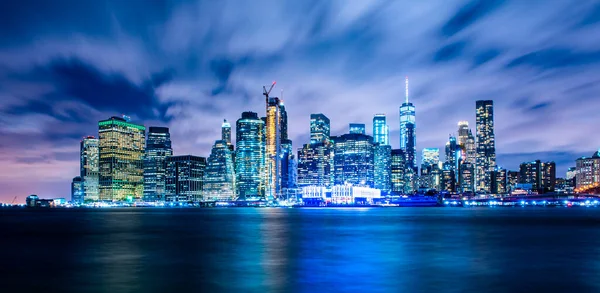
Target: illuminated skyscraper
[(587, 170), (357, 128), (249, 155), (408, 137), (273, 148), (121, 158), (158, 149), (219, 176), (410, 151), (382, 167), (499, 181), (453, 154), (466, 177), (315, 165), (184, 178), (353, 159), (226, 131), (541, 176), (398, 166), (486, 146), (381, 131), (319, 128), (283, 124), (466, 141), (77, 190), (89, 168), (287, 158), (430, 156)]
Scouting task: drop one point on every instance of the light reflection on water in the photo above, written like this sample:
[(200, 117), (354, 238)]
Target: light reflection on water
[(302, 250)]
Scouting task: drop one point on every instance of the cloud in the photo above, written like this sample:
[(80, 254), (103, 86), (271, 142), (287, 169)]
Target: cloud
[(468, 15)]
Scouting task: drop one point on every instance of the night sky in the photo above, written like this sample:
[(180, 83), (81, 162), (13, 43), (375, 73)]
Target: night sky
[(187, 65)]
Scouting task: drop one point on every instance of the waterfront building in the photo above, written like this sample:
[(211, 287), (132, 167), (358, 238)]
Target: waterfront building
[(315, 164), (466, 142), (350, 194), (398, 166), (121, 159), (287, 161), (273, 148), (499, 181), (466, 178), (184, 178), (410, 151), (381, 132), (226, 134), (357, 128), (383, 167), (541, 176), (430, 158), (452, 153), (77, 190), (158, 149), (512, 178), (408, 137), (314, 192), (587, 171), (354, 159), (319, 128), (448, 178), (219, 176), (250, 156), (486, 146), (89, 168)]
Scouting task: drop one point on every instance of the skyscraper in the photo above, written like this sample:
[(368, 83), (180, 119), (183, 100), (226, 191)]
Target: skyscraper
[(381, 131), (319, 128), (410, 151), (249, 155), (219, 176), (486, 146), (408, 137), (587, 171), (453, 155), (382, 167), (398, 166), (357, 128), (430, 156), (226, 131), (315, 165), (121, 158), (541, 175), (287, 157), (273, 148), (89, 168), (184, 178), (77, 190), (283, 124), (353, 159), (158, 149), (466, 141), (499, 181)]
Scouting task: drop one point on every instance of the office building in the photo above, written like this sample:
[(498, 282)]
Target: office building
[(381, 132), (273, 148), (467, 178), (250, 156), (158, 149), (77, 190), (184, 178), (353, 160), (89, 168), (287, 161), (398, 167), (219, 176), (430, 156), (319, 128), (486, 146), (466, 142), (410, 152), (408, 127), (357, 128), (121, 159), (512, 179), (499, 181), (315, 165), (226, 134), (448, 178), (587, 172), (541, 176), (382, 168)]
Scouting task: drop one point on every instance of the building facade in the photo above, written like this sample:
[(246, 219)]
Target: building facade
[(486, 146), (357, 128), (219, 176), (381, 132), (184, 178), (541, 175), (466, 142), (158, 149), (273, 148), (398, 167), (408, 136), (121, 159), (89, 168), (319, 128), (250, 156), (353, 160), (77, 190), (315, 165), (383, 168), (587, 172)]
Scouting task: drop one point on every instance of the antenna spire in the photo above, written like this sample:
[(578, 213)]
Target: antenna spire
[(406, 82)]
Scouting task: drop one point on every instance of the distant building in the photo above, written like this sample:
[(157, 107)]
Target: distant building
[(158, 149), (430, 156), (467, 177), (250, 156), (349, 194), (184, 178), (587, 171), (77, 190), (398, 167), (541, 176), (408, 126), (382, 167), (466, 142), (315, 165), (89, 168), (319, 128), (357, 128), (381, 132), (273, 148), (499, 181), (219, 177), (354, 160), (226, 134), (410, 152), (121, 159), (512, 178), (486, 146), (448, 178)]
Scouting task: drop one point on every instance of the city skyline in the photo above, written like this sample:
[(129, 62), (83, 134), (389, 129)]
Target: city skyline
[(135, 74)]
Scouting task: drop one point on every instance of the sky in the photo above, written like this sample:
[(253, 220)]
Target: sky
[(65, 65)]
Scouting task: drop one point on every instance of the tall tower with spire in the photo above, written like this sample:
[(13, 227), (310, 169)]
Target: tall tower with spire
[(408, 138)]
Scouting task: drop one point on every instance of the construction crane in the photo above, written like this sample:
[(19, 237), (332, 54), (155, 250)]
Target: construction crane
[(13, 201), (267, 92)]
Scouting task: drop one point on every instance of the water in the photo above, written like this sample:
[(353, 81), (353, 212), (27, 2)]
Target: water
[(301, 250)]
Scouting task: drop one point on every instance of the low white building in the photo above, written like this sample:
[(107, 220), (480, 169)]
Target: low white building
[(348, 194), (314, 191)]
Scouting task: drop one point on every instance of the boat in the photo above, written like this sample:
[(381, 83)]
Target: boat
[(413, 201)]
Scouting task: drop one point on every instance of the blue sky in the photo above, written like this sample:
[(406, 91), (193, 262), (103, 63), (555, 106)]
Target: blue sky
[(188, 65)]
